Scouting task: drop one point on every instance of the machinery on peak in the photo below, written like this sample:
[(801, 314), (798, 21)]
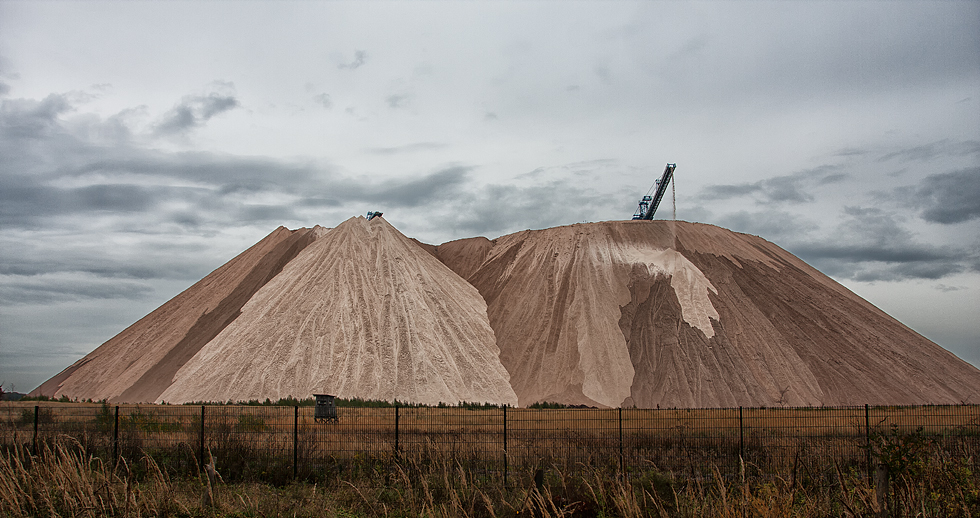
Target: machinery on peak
[(648, 204)]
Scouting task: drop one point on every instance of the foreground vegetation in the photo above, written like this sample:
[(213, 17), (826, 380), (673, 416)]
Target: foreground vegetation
[(65, 480)]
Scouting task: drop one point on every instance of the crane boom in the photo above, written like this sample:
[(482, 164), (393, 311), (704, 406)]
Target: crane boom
[(648, 204)]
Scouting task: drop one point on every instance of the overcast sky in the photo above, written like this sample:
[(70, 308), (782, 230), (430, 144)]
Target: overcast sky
[(142, 145)]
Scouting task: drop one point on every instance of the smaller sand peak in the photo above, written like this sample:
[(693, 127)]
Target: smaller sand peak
[(363, 312)]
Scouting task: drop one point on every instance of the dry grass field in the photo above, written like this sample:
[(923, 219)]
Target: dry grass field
[(453, 461)]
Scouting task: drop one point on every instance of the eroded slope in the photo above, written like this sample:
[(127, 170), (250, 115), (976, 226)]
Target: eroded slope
[(679, 314)]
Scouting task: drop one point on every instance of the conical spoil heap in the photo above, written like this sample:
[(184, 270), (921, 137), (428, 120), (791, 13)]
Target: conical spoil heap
[(363, 312)]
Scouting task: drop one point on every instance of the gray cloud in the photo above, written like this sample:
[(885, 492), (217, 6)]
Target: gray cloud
[(864, 51), (323, 100), (66, 180), (775, 225), (396, 101), (28, 118), (48, 290), (950, 197), (193, 111), (436, 187), (931, 151), (493, 210), (794, 188), (407, 148), (872, 245), (360, 57)]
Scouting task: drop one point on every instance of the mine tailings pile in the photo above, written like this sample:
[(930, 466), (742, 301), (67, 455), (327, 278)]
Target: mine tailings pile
[(611, 314)]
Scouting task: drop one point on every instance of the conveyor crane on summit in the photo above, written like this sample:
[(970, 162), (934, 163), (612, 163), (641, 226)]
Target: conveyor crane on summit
[(648, 204)]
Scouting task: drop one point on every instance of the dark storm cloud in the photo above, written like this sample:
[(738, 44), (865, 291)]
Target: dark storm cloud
[(40, 200), (872, 245), (435, 187), (139, 254), (794, 188), (193, 111), (950, 197), (223, 185)]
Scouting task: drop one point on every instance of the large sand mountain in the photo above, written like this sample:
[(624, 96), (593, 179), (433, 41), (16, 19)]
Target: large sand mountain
[(676, 314), (622, 313)]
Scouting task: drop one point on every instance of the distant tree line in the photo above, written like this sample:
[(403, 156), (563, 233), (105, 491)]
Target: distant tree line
[(355, 402)]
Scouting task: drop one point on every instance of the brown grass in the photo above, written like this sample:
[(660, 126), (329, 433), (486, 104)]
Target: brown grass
[(796, 462), (63, 480)]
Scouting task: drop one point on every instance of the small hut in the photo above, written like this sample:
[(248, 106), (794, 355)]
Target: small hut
[(325, 410)]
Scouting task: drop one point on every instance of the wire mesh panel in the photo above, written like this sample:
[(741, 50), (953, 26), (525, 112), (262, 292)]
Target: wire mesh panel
[(452, 437), (691, 443), (90, 425), (901, 436), (361, 443), (250, 441), (806, 445), (568, 440), (169, 434)]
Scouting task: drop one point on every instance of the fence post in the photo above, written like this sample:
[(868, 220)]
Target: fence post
[(202, 436), (396, 431), (741, 438), (37, 409), (505, 446), (115, 439), (621, 471), (867, 441), (295, 440)]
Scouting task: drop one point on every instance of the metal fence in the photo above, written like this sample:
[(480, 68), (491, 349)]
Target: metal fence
[(809, 445)]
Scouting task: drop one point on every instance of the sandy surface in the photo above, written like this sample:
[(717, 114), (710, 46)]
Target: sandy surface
[(705, 317), (621, 313), (464, 256), (362, 312)]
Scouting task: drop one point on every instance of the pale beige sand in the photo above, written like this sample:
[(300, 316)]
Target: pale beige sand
[(363, 312), (139, 363)]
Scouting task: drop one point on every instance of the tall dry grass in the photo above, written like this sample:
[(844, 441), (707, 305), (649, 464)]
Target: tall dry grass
[(63, 480), (434, 475)]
